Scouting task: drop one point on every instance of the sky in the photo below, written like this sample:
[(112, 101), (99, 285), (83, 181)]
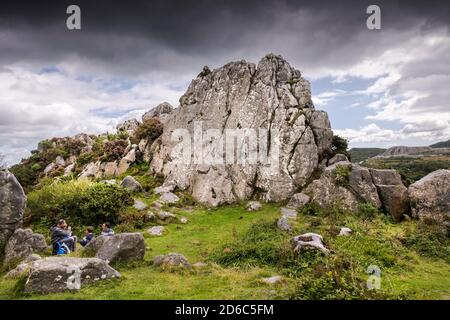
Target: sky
[(380, 87)]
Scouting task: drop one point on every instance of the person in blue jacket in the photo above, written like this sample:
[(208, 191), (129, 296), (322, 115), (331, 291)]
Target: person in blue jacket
[(89, 235)]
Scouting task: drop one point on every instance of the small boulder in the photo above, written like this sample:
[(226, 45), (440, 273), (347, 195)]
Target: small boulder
[(395, 200), (166, 216), (288, 213), (283, 224), (156, 231), (12, 206), (131, 184), (164, 189), (430, 197), (169, 198), (298, 200), (22, 244), (309, 241), (49, 168), (273, 280), (183, 220), (139, 205), (337, 158), (59, 161), (172, 260), (345, 232), (253, 206), (69, 169), (122, 247), (57, 274)]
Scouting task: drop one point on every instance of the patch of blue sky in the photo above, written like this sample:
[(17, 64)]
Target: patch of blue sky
[(346, 104), (117, 85), (49, 69)]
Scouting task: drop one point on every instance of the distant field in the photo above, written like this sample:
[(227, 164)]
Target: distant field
[(362, 154)]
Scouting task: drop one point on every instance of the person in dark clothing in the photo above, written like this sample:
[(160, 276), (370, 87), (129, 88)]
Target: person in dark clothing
[(62, 233), (89, 235)]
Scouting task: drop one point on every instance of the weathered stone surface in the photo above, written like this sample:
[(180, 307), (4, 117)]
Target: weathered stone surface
[(12, 206), (55, 274), (23, 267), (171, 260), (288, 213), (110, 169), (21, 244), (166, 216), (49, 168), (345, 232), (395, 200), (60, 161), (164, 188), (128, 126), (161, 111), (386, 177), (273, 280), (309, 241), (169, 198), (298, 200), (272, 95), (69, 169), (126, 161), (156, 231), (360, 182), (139, 205), (283, 224), (131, 184), (122, 247), (337, 158), (90, 170), (253, 206), (430, 197)]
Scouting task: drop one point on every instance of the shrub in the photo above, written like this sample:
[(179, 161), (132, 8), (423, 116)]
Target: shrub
[(114, 149), (429, 240), (341, 175), (150, 129), (367, 211), (340, 145), (260, 245), (81, 202)]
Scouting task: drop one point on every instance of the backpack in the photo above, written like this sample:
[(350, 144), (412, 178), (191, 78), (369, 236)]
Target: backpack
[(62, 248)]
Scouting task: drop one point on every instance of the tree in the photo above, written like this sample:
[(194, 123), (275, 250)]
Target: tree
[(340, 145)]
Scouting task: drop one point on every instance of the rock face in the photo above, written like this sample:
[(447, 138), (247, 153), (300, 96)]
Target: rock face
[(253, 206), (337, 158), (12, 206), (430, 197), (161, 111), (348, 184), (393, 194), (240, 96), (122, 247), (58, 274), (22, 244)]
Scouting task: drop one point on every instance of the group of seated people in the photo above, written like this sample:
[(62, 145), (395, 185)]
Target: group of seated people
[(63, 241)]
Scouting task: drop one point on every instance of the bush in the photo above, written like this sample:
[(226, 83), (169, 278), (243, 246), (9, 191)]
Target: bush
[(150, 129), (81, 202), (341, 175), (340, 145), (428, 240), (260, 245), (367, 211), (114, 149)]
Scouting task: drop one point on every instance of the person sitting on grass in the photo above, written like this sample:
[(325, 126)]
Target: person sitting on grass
[(107, 230), (89, 235), (62, 234)]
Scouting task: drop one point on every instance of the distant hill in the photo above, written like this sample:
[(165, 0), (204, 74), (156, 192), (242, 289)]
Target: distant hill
[(442, 144), (362, 154)]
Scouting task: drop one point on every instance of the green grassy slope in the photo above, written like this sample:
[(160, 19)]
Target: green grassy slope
[(379, 241)]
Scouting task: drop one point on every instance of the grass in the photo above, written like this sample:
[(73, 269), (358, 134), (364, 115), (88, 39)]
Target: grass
[(405, 272)]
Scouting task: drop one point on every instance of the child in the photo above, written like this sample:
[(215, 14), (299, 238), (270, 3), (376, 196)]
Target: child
[(106, 229), (89, 235)]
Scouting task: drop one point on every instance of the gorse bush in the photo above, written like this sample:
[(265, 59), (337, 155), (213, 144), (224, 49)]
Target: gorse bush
[(150, 129), (80, 202)]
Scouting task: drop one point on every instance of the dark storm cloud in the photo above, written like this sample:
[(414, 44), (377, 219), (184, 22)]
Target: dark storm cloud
[(134, 36)]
